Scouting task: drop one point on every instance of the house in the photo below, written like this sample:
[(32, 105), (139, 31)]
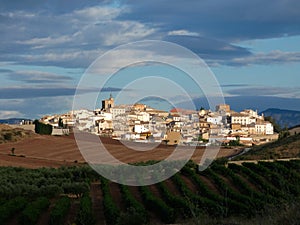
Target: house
[(240, 118), (115, 111), (173, 138)]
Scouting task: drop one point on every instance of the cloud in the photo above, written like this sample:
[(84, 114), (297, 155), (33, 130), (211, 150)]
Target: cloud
[(183, 33), (70, 39), (5, 71), (73, 34), (227, 20), (273, 57), (209, 48), (34, 108), (6, 114), (234, 85), (38, 92), (266, 91), (37, 77)]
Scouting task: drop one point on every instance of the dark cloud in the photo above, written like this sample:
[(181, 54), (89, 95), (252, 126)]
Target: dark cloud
[(35, 108), (230, 20), (69, 33), (53, 6), (264, 91), (28, 92), (209, 48), (5, 71), (73, 33), (37, 77)]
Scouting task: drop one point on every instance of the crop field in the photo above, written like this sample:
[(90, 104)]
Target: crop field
[(266, 192)]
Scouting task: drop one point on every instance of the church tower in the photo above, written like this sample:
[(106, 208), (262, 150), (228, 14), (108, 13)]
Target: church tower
[(108, 103)]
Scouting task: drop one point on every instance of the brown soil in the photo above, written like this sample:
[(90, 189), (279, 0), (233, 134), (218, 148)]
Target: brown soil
[(96, 195), (209, 184), (71, 215), (116, 195), (5, 127), (171, 187), (51, 151)]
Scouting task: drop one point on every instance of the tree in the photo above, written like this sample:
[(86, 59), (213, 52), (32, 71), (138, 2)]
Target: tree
[(276, 126), (60, 122), (41, 128), (12, 151)]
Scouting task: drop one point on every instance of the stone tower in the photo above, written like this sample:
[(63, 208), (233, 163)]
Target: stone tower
[(108, 103)]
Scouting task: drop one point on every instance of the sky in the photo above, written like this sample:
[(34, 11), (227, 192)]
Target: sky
[(46, 47)]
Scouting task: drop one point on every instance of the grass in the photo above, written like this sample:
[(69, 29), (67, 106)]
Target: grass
[(288, 147)]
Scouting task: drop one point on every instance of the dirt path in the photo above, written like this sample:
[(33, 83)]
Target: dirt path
[(96, 195)]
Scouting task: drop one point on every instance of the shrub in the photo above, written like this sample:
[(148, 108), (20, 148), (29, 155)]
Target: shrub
[(59, 211)]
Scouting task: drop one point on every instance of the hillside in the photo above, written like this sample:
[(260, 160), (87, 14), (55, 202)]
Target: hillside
[(8, 134), (288, 147), (41, 150), (294, 130), (285, 118), (13, 120), (250, 194)]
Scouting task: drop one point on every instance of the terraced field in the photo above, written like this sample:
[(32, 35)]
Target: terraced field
[(267, 192)]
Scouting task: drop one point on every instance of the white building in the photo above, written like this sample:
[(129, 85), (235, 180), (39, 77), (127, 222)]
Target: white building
[(241, 119), (141, 128), (214, 120), (143, 116), (264, 128), (115, 111)]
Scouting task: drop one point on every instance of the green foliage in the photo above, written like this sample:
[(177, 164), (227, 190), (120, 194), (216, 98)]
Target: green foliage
[(283, 134), (60, 122), (111, 210), (165, 213), (276, 126), (85, 214), (135, 210), (76, 188), (33, 210), (180, 205), (239, 191), (41, 128), (197, 201), (234, 143), (132, 217), (7, 136), (268, 150), (48, 182), (59, 211), (9, 208)]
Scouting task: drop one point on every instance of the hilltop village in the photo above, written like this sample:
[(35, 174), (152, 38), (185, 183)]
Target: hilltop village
[(141, 123)]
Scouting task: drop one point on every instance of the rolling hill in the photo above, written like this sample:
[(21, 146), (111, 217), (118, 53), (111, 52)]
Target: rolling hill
[(285, 118), (288, 147)]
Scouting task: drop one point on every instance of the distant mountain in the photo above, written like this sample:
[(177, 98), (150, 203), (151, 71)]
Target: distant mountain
[(239, 103), (285, 118), (13, 120)]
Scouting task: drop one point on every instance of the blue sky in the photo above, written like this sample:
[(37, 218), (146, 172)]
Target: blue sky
[(253, 48)]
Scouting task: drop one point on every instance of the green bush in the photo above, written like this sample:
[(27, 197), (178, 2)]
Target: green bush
[(41, 128), (9, 208), (111, 210), (32, 212), (85, 214), (59, 211)]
